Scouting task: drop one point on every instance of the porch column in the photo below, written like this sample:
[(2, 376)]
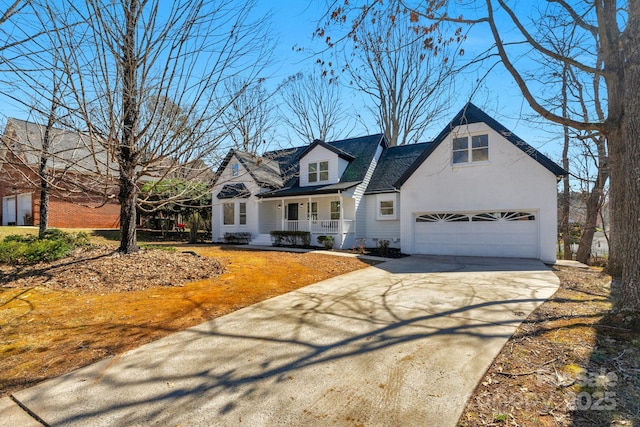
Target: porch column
[(340, 227), (282, 208), (309, 214)]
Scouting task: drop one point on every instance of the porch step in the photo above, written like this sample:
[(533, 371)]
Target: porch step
[(261, 240)]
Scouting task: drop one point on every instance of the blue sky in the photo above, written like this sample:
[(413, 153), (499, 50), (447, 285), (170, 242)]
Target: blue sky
[(294, 23)]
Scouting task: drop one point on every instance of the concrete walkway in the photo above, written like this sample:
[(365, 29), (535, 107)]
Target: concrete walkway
[(401, 343)]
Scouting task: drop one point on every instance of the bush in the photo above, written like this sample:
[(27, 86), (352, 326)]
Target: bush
[(290, 238), (327, 241), (30, 249), (237, 238), (383, 247)]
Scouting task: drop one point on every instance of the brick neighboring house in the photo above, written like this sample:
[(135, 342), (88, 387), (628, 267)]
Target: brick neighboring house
[(82, 195)]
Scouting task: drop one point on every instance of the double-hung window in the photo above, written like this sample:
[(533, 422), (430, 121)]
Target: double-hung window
[(229, 213), (335, 210), (477, 151), (242, 210), (319, 171)]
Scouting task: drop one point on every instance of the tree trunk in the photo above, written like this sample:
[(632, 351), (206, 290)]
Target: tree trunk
[(43, 221), (628, 228), (591, 218), (127, 150), (128, 199), (566, 202)]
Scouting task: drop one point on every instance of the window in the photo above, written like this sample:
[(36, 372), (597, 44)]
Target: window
[(243, 213), (386, 208), (319, 171), (477, 152), (313, 172), (228, 213), (335, 210), (324, 171), (312, 211), (235, 169)]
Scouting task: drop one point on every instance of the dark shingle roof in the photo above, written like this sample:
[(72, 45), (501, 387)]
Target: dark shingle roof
[(392, 165), (472, 114), (316, 189), (229, 191), (279, 170)]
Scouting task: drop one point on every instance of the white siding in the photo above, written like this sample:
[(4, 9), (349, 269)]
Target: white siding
[(380, 229), (317, 155), (218, 228), (509, 180), (361, 201)]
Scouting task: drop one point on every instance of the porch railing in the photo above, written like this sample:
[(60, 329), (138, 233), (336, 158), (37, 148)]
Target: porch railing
[(319, 226)]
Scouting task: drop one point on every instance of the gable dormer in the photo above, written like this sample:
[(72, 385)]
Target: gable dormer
[(322, 164)]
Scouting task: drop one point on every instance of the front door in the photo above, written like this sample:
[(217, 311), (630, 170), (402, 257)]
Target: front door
[(292, 211)]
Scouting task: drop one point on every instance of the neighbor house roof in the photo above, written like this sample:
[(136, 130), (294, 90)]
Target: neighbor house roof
[(68, 150), (471, 114)]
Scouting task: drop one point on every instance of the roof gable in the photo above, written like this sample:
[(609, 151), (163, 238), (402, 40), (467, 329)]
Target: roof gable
[(471, 114)]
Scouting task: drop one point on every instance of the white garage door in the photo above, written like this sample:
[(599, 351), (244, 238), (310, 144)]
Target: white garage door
[(511, 234)]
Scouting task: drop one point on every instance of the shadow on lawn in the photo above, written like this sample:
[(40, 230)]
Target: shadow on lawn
[(609, 390)]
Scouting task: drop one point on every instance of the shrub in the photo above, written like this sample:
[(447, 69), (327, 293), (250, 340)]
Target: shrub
[(290, 238), (326, 241), (29, 248), (383, 247), (238, 238), (46, 250)]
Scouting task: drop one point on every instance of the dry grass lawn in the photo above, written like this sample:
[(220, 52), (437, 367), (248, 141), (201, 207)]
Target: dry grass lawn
[(49, 331)]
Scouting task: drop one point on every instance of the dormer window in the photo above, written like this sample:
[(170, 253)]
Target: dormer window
[(319, 171), (235, 169), (477, 151)]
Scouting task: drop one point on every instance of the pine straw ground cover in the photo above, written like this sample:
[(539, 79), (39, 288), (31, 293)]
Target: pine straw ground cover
[(571, 363), (60, 316)]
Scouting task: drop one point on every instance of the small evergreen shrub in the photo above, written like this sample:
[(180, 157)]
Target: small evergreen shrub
[(326, 241), (237, 238), (29, 249), (290, 238)]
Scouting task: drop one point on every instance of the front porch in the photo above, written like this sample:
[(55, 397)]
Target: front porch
[(332, 215)]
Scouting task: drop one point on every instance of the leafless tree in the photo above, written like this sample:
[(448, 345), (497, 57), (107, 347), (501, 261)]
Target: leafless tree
[(147, 80), (313, 108), (251, 117), (611, 56), (406, 75), (40, 152)]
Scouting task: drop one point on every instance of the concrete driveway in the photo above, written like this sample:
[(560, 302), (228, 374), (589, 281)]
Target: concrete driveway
[(402, 343)]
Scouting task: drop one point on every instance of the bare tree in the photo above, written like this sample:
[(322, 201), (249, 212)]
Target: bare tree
[(313, 107), (148, 79), (390, 63), (250, 117), (41, 153), (612, 55)]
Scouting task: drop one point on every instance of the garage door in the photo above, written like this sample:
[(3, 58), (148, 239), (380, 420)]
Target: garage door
[(501, 234)]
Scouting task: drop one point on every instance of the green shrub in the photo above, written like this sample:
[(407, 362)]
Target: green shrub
[(327, 241), (30, 249), (46, 250), (11, 250), (290, 238)]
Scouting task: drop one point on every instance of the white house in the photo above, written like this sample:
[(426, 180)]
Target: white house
[(477, 189)]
